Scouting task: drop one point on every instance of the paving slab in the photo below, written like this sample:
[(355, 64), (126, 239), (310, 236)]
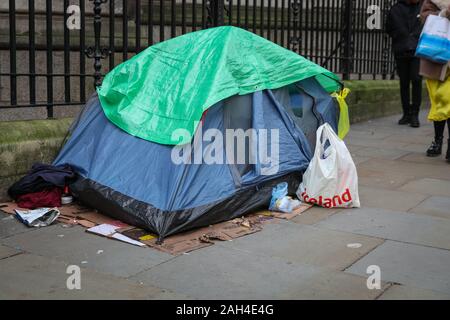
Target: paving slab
[(392, 128), (380, 153), (27, 276), (10, 226), (375, 143), (74, 245), (408, 264), (393, 225), (399, 292), (434, 206), (392, 121), (409, 138), (306, 245), (389, 199), (217, 272), (421, 157), (391, 174), (314, 215), (352, 148), (368, 133), (436, 187), (416, 147), (6, 252), (359, 159)]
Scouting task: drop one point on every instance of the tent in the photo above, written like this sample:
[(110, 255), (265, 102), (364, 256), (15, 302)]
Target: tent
[(198, 129)]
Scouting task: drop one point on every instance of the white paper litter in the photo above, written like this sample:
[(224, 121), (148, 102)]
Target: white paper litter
[(109, 230), (354, 245), (39, 217)]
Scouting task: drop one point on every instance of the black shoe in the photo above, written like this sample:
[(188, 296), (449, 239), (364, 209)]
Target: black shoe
[(404, 120), (436, 148), (414, 120)]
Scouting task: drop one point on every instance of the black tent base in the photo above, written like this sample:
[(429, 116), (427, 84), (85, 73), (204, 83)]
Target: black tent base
[(164, 223)]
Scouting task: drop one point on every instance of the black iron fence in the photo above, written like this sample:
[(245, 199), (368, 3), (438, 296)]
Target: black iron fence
[(53, 52)]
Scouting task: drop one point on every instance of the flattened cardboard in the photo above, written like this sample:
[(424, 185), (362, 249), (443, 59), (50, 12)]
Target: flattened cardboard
[(69, 213), (86, 223), (288, 216), (202, 237), (180, 243), (96, 218), (9, 207)]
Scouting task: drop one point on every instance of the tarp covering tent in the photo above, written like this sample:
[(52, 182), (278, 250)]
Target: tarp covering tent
[(124, 149), (194, 72)]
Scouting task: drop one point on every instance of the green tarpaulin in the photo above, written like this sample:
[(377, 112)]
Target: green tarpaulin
[(169, 85)]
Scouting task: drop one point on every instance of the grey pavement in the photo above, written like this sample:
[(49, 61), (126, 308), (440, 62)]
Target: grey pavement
[(402, 228)]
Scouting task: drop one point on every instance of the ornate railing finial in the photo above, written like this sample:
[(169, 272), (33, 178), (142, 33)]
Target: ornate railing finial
[(97, 52)]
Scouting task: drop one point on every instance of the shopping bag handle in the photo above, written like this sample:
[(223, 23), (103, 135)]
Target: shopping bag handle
[(330, 135)]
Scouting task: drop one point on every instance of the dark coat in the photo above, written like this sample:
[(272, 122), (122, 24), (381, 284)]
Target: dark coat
[(404, 27), (42, 177)]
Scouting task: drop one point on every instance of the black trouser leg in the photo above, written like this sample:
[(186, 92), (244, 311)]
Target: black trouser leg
[(448, 147), (439, 127), (416, 80), (404, 75)]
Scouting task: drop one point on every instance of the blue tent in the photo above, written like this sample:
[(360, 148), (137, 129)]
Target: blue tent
[(137, 181)]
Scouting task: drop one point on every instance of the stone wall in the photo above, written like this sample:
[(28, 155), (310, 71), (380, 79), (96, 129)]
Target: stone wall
[(376, 98)]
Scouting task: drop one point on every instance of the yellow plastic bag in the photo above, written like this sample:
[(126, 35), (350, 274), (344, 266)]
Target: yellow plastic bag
[(344, 120), (439, 93)]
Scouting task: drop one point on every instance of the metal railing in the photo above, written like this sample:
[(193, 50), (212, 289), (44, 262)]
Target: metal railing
[(51, 65)]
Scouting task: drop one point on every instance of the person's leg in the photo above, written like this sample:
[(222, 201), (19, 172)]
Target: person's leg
[(436, 146), (448, 147), (403, 73), (416, 80)]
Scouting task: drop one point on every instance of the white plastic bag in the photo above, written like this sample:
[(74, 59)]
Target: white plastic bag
[(331, 179), (280, 201), (434, 42)]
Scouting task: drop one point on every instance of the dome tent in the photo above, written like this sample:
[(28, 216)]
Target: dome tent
[(122, 146)]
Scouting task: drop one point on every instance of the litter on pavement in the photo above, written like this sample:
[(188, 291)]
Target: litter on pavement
[(99, 224), (37, 218)]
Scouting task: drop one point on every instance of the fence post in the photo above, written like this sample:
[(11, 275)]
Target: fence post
[(295, 40), (347, 38), (215, 9), (97, 52)]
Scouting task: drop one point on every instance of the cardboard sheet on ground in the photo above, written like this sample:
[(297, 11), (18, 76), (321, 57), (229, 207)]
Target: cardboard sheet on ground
[(185, 242), (199, 238), (73, 213), (205, 237)]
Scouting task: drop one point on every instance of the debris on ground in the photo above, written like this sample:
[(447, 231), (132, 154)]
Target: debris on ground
[(110, 231), (280, 201), (181, 243), (41, 217), (354, 245)]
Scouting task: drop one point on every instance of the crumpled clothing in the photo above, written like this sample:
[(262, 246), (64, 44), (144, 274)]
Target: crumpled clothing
[(42, 177), (46, 198)]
